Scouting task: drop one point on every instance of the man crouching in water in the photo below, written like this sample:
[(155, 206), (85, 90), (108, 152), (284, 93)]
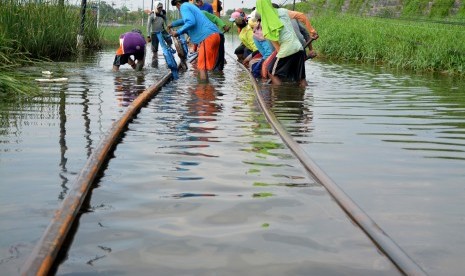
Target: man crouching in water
[(130, 44), (289, 64)]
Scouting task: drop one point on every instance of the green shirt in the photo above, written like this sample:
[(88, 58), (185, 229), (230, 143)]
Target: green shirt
[(215, 19)]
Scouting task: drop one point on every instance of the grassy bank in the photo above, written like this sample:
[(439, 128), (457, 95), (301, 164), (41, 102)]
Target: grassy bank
[(110, 34), (11, 58), (34, 30), (419, 46), (46, 29)]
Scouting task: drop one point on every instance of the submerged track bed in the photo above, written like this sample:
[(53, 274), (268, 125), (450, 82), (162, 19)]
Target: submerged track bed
[(207, 108)]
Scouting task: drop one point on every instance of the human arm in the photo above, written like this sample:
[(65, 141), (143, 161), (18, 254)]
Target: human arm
[(188, 20), (215, 19), (149, 24), (176, 23), (275, 45), (302, 18)]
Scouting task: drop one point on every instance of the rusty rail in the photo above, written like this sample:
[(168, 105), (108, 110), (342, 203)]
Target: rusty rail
[(381, 239), (43, 256)]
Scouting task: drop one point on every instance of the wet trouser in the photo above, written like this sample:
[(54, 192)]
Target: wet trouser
[(156, 42)]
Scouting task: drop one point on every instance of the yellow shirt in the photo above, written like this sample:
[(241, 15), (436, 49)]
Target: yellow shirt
[(246, 36)]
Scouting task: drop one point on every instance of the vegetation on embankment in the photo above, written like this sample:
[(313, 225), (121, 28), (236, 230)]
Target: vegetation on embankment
[(46, 29), (110, 34), (11, 58), (33, 31), (419, 46)]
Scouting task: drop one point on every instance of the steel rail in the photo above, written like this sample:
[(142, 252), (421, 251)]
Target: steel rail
[(43, 256), (381, 239)]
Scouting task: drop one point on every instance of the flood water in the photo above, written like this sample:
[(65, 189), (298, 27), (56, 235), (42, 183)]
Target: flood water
[(201, 185)]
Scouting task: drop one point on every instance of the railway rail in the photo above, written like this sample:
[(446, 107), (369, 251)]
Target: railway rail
[(44, 255)]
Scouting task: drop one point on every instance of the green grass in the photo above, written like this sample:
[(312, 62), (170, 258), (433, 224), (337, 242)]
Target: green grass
[(11, 57), (110, 34), (38, 31), (46, 30), (418, 46)]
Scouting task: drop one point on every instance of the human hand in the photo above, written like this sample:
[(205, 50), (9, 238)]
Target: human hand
[(174, 33), (226, 28)]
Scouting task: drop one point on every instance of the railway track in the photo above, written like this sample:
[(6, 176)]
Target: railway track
[(44, 255)]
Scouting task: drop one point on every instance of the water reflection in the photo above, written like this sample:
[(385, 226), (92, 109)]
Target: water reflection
[(203, 107), (128, 87), (63, 147), (290, 105)]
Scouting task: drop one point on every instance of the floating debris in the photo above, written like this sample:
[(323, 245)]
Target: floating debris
[(53, 80)]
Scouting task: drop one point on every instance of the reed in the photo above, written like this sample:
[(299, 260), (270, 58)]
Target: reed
[(419, 46), (46, 29), (37, 31), (12, 83)]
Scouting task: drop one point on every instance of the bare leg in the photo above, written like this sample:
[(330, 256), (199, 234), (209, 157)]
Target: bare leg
[(203, 74), (140, 64), (275, 80), (132, 63)]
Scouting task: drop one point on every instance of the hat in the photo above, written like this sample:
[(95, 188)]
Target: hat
[(252, 15), (238, 10), (234, 15), (157, 4)]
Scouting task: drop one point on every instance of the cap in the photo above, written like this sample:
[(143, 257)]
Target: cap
[(252, 15), (234, 15), (157, 4)]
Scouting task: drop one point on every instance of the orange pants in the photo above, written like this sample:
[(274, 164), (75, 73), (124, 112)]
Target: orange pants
[(208, 52)]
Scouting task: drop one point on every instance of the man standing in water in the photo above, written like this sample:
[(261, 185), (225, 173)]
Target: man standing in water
[(156, 23), (203, 33), (130, 44)]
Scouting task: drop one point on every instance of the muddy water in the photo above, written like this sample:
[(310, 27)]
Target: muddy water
[(200, 184)]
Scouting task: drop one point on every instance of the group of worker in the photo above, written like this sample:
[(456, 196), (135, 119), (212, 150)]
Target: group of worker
[(275, 42)]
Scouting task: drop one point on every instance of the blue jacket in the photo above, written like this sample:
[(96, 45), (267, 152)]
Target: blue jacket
[(206, 7), (194, 23)]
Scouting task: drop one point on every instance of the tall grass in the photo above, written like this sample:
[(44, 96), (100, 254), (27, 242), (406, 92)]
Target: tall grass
[(38, 30), (10, 58), (46, 29), (418, 46)]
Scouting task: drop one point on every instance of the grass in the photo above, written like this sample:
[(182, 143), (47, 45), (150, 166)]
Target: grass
[(110, 34), (46, 29), (38, 31), (419, 46), (10, 58)]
